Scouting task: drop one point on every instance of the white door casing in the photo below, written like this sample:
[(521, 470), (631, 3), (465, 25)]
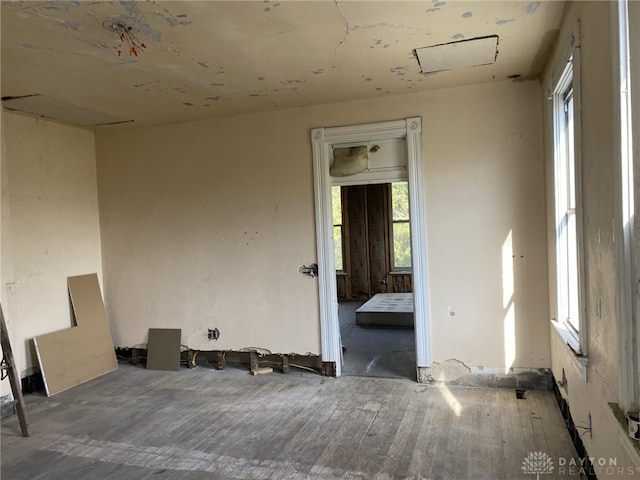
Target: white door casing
[(323, 140)]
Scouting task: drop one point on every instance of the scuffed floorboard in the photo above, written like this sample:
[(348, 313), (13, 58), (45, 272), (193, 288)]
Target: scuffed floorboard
[(202, 423)]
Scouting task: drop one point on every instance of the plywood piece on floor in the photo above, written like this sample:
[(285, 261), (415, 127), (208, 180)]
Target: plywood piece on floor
[(163, 349), (387, 310), (73, 356)]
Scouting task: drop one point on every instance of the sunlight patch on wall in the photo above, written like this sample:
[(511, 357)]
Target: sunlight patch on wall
[(508, 290)]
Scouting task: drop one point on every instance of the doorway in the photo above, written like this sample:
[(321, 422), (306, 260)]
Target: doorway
[(408, 133), (372, 251)]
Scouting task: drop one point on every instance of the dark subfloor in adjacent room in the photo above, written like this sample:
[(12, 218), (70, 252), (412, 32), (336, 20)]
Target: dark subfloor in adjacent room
[(203, 423), (375, 351)]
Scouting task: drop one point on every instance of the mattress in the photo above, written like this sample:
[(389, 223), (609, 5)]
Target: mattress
[(387, 310)]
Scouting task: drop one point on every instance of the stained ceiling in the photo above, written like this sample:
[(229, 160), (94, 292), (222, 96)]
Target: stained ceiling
[(72, 60)]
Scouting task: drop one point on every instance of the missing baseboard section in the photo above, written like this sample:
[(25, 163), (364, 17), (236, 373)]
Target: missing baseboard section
[(253, 358), (455, 372), (587, 468)]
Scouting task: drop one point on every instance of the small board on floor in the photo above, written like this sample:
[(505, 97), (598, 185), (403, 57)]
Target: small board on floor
[(163, 349)]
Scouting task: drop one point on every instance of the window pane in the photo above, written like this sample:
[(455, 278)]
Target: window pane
[(400, 200), (336, 202), (568, 281), (571, 168), (401, 245), (337, 247), (573, 313)]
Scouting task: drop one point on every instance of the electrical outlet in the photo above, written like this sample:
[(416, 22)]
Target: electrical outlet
[(213, 334)]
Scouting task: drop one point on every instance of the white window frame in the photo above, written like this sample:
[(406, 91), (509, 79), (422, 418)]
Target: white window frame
[(567, 177), (626, 80)]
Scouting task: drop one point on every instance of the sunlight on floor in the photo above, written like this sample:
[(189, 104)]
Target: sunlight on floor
[(453, 403)]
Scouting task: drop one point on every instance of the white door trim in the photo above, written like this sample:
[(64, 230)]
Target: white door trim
[(322, 140)]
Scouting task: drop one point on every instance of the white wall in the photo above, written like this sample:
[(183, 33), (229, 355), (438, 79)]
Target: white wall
[(204, 225), (591, 398), (50, 226)]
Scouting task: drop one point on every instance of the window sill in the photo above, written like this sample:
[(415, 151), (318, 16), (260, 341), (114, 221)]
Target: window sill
[(630, 447), (581, 362)]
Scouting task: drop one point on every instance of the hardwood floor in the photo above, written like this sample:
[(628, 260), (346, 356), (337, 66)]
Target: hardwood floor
[(202, 423)]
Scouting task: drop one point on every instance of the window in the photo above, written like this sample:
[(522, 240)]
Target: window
[(400, 227), (338, 245), (626, 148), (567, 205)]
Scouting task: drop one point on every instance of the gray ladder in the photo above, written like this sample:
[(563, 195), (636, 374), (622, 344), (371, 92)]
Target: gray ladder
[(8, 367)]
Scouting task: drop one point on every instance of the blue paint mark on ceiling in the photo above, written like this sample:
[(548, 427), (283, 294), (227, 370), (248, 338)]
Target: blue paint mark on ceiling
[(532, 7)]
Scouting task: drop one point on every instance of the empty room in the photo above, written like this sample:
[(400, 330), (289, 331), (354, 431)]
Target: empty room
[(320, 239)]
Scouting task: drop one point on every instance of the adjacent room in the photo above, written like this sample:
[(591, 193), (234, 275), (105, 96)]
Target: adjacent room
[(320, 239)]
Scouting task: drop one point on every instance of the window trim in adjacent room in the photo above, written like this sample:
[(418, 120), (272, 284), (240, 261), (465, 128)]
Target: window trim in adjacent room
[(340, 268), (392, 222)]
